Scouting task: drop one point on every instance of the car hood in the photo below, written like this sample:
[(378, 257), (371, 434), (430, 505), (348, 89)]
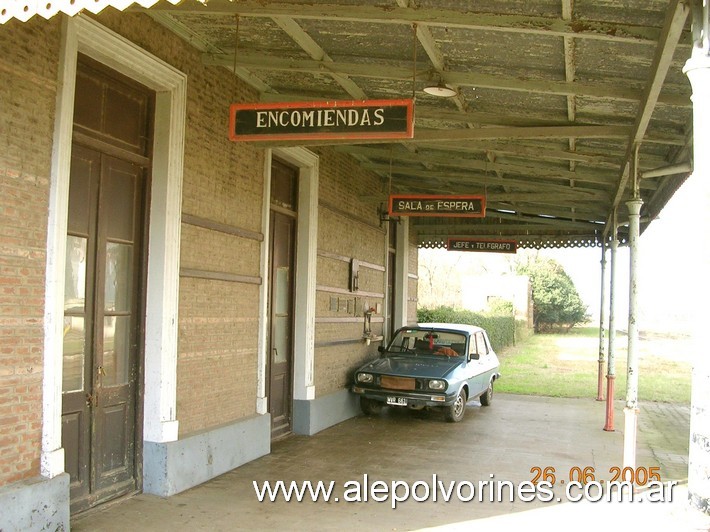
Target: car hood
[(413, 366)]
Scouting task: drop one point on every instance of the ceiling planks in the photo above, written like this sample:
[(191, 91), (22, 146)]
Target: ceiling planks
[(552, 96)]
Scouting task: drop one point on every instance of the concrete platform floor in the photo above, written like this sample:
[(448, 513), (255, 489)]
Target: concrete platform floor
[(505, 441)]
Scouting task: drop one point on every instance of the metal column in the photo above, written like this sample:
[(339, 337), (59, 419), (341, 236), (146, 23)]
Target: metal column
[(698, 71), (600, 379), (611, 365), (631, 411)]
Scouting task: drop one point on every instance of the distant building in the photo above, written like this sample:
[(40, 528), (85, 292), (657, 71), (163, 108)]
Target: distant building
[(478, 291)]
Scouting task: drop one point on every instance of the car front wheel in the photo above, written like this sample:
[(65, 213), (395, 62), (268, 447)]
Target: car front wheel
[(454, 413), (487, 396), (370, 407)]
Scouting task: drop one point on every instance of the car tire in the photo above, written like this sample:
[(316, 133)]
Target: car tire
[(455, 412), (487, 396), (370, 407)]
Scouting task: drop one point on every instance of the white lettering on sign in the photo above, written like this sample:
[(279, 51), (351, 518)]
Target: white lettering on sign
[(483, 245), (322, 117), (409, 205), (457, 205), (505, 246)]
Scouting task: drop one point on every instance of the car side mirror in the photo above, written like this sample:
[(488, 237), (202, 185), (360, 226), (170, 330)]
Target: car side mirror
[(474, 356)]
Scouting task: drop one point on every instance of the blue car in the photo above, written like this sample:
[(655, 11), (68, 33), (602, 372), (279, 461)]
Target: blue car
[(430, 365)]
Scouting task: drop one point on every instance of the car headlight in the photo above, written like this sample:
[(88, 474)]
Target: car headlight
[(364, 377), (436, 384)]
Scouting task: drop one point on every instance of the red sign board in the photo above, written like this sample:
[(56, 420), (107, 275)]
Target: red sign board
[(490, 246), (434, 205), (337, 119)]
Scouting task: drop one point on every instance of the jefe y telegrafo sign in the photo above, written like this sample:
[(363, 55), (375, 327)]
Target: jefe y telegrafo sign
[(490, 246), (338, 119)]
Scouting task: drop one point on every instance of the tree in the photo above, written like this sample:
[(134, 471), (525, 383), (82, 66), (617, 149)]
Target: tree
[(556, 302)]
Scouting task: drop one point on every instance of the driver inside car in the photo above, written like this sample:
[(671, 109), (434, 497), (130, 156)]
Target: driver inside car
[(447, 351)]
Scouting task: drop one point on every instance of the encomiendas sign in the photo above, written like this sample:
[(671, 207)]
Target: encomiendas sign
[(365, 119)]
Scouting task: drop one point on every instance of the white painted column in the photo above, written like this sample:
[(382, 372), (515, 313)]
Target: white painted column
[(401, 268), (631, 410), (698, 71)]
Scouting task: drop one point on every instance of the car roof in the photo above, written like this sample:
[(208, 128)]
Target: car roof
[(471, 329)]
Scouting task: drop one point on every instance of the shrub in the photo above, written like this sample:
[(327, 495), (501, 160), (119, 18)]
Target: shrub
[(500, 328)]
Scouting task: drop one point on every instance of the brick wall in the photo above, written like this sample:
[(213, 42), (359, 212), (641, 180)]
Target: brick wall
[(222, 183), (27, 99), (348, 227)]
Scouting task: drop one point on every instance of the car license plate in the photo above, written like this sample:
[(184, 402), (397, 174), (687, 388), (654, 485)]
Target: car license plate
[(397, 401)]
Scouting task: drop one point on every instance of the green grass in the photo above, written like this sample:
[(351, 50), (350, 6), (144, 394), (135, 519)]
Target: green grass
[(566, 365)]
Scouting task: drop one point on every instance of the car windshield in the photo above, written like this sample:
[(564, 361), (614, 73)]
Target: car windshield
[(428, 342)]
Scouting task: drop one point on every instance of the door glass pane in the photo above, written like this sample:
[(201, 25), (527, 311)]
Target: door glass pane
[(282, 288), (75, 274), (73, 354), (117, 291), (117, 339), (281, 341)]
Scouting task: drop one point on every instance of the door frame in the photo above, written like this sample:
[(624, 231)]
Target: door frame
[(305, 276), (81, 34), (401, 281)]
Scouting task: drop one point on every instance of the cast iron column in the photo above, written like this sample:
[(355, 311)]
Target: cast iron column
[(631, 411), (611, 365), (600, 379)]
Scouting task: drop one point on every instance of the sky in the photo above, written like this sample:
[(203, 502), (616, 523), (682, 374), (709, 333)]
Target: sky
[(673, 261)]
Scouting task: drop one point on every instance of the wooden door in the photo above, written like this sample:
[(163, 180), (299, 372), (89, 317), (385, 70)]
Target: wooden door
[(281, 296), (104, 299)]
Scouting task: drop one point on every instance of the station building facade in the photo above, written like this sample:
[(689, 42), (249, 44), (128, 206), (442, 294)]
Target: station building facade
[(170, 301)]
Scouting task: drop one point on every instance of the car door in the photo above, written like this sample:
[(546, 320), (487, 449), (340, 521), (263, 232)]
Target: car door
[(473, 367), (487, 361)]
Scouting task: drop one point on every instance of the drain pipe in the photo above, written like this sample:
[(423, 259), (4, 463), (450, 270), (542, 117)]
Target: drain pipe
[(611, 364), (600, 373)]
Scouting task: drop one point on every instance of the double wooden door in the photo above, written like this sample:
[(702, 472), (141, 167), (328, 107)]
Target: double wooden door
[(104, 280)]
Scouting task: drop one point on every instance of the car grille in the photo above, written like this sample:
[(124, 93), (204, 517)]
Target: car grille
[(398, 383)]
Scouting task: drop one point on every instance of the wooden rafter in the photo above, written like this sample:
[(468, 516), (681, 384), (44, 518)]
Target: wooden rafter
[(671, 34), (404, 73), (451, 18)]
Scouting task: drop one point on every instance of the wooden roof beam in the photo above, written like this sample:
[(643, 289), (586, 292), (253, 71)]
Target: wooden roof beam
[(444, 161), (672, 31), (404, 73), (312, 48), (449, 18)]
